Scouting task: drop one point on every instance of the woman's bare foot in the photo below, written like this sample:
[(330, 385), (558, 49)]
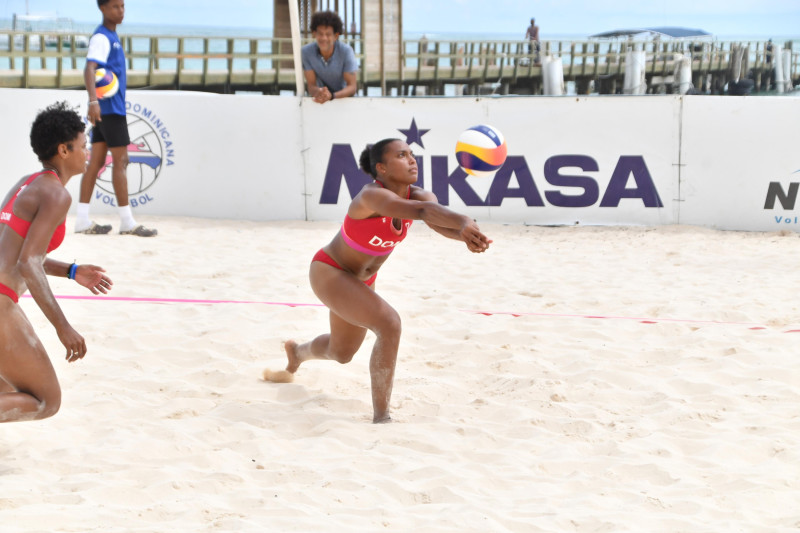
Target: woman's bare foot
[(293, 362)]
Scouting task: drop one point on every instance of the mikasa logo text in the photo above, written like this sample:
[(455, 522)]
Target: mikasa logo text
[(568, 177)]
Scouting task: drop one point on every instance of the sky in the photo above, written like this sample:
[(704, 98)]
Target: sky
[(554, 17)]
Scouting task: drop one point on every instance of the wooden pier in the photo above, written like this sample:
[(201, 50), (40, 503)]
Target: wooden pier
[(231, 64)]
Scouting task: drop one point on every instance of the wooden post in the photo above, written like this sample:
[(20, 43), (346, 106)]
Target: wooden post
[(571, 60), (205, 61), (294, 24), (59, 62), (400, 49), (181, 50), (26, 47), (151, 59), (253, 60), (230, 63), (382, 23), (436, 65)]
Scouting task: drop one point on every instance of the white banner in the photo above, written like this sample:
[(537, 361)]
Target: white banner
[(191, 154), (740, 158), (726, 162), (570, 160)]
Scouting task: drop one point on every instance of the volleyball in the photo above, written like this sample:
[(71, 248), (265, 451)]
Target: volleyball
[(106, 83), (481, 150)]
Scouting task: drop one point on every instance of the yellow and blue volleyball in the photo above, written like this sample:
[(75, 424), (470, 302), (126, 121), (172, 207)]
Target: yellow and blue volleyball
[(106, 83), (481, 150)]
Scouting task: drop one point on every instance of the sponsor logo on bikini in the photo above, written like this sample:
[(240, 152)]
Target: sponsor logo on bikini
[(377, 241)]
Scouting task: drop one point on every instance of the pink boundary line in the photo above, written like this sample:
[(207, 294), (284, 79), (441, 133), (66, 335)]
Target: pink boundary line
[(643, 320), (174, 300)]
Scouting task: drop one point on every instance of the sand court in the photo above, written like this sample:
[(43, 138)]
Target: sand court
[(569, 379)]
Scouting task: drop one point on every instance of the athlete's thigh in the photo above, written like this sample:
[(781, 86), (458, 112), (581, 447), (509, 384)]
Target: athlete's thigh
[(23, 360), (348, 297)]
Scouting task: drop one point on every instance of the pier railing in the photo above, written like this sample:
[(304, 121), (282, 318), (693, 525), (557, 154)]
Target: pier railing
[(227, 64), (508, 62)]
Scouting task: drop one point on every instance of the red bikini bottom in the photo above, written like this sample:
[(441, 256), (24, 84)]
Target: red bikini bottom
[(322, 257), (8, 292)]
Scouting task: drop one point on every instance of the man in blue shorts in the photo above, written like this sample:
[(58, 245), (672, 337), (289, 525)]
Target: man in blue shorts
[(110, 131), (329, 65)]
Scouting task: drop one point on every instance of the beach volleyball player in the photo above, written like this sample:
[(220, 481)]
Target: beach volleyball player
[(343, 272), (31, 226)]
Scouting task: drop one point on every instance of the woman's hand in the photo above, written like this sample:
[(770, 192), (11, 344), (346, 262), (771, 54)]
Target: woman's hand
[(93, 278), (476, 241), (73, 342)]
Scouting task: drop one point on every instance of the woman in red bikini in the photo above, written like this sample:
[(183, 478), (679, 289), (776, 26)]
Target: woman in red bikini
[(343, 273), (31, 226)]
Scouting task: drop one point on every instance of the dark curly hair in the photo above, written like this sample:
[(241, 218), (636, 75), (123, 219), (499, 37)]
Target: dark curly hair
[(101, 2), (57, 124), (326, 18), (372, 155)]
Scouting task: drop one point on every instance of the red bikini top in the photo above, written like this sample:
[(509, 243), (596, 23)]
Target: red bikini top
[(376, 235), (21, 226)]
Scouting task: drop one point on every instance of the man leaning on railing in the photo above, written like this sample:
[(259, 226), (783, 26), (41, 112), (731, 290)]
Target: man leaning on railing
[(329, 65)]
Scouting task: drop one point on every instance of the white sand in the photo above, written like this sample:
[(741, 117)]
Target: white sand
[(669, 413)]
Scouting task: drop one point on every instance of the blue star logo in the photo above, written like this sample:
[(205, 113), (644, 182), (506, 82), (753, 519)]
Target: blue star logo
[(414, 134)]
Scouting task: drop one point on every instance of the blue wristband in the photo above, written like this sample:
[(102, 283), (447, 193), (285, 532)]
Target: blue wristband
[(72, 269)]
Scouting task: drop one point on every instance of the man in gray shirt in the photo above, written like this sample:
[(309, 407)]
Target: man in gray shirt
[(329, 66)]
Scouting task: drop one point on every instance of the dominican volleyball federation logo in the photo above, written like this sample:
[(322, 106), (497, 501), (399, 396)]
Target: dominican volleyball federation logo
[(149, 153)]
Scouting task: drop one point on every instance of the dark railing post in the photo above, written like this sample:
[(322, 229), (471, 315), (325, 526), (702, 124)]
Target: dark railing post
[(401, 73), (42, 52), (74, 62), (180, 63), (12, 57), (470, 57), (484, 60), (205, 61), (152, 58), (571, 59), (253, 60), (59, 61), (436, 64), (503, 56), (26, 46), (230, 61), (420, 61)]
